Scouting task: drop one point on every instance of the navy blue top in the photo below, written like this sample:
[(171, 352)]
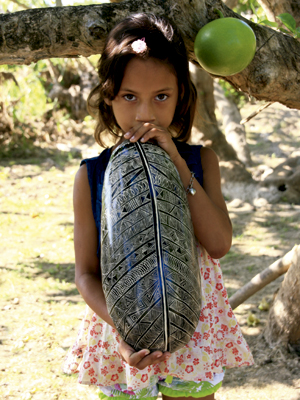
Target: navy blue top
[(96, 167)]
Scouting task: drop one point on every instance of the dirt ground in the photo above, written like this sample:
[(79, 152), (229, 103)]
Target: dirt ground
[(40, 308)]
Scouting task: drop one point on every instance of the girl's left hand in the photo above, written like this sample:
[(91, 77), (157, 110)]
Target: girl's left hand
[(142, 358), (149, 131)]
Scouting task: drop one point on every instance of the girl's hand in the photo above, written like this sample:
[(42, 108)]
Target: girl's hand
[(142, 358), (149, 131)]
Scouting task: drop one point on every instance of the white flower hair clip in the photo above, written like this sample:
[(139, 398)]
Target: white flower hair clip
[(139, 46)]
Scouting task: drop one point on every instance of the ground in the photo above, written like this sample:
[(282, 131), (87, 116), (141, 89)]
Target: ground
[(40, 308)]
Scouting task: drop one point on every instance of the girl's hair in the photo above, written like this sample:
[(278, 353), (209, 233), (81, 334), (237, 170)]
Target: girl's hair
[(164, 43)]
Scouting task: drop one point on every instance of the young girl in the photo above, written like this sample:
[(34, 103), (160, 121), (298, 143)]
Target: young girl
[(145, 93)]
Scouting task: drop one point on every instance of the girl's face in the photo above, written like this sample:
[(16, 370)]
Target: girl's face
[(148, 93)]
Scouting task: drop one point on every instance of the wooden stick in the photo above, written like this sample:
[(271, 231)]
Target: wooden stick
[(268, 275), (243, 121)]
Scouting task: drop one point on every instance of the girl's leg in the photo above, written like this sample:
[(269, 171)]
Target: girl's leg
[(210, 397)]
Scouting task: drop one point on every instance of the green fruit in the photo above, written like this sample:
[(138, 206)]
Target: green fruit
[(225, 46)]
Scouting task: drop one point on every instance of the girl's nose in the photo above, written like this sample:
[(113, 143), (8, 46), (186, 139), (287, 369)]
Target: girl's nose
[(144, 113)]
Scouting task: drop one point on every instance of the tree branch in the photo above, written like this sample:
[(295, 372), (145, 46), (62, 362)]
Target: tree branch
[(32, 35), (268, 275)]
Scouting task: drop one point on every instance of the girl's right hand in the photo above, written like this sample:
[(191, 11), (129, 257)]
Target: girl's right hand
[(141, 359)]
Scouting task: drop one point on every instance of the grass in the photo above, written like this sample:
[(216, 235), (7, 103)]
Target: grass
[(39, 304)]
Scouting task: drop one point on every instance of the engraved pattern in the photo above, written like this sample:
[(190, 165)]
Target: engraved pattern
[(149, 265)]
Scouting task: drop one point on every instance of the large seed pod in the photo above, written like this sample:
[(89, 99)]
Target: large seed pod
[(149, 265)]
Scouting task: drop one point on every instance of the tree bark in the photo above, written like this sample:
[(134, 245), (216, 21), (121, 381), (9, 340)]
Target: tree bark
[(32, 35), (273, 8), (234, 132), (205, 127), (283, 324)]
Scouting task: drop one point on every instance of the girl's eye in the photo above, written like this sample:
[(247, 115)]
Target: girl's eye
[(129, 97), (161, 97)]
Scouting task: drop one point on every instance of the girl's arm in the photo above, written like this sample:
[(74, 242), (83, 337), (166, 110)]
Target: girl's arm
[(210, 217), (87, 269)]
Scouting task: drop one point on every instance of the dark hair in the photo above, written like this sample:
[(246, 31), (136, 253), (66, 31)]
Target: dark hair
[(165, 43)]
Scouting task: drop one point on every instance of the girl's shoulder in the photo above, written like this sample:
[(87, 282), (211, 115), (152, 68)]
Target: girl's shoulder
[(208, 156), (203, 161), (210, 162)]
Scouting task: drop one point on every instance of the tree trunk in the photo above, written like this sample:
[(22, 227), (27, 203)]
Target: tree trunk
[(234, 132), (205, 126), (283, 324), (32, 35), (273, 8)]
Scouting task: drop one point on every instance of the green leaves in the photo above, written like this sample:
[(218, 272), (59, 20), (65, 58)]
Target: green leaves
[(269, 23), (288, 21)]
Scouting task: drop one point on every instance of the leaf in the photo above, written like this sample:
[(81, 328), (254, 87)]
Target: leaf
[(269, 23), (252, 320), (285, 31), (253, 8), (288, 21), (264, 305)]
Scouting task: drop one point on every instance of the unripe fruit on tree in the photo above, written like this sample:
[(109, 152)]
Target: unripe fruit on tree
[(225, 46)]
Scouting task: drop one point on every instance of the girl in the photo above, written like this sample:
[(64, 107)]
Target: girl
[(145, 93)]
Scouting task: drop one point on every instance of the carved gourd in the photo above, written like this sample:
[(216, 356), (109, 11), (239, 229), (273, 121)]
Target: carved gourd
[(149, 265)]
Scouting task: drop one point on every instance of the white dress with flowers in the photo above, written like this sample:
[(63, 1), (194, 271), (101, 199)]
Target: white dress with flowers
[(216, 343)]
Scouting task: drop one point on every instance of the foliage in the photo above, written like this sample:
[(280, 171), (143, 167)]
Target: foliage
[(18, 5), (288, 21), (252, 10), (26, 95), (30, 121), (249, 9)]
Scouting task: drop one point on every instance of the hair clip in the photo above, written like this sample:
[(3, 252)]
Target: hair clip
[(139, 46)]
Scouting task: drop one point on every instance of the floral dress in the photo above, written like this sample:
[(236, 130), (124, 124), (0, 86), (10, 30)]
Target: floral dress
[(217, 342)]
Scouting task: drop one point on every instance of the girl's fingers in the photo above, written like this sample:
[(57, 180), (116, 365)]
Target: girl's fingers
[(156, 133), (136, 357), (130, 356), (145, 131), (153, 358), (148, 131), (141, 359)]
